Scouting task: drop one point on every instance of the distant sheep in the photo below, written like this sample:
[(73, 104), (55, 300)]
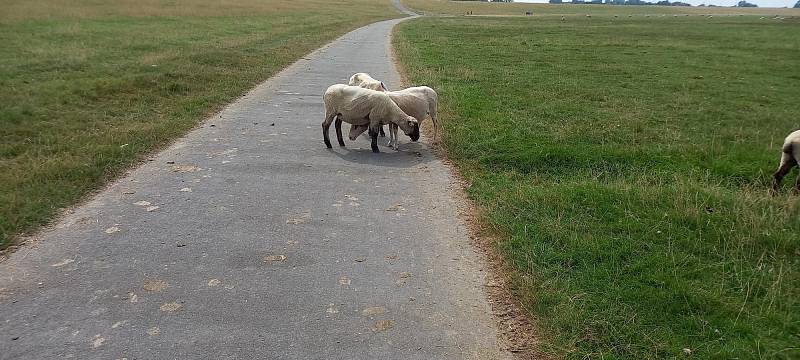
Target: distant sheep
[(790, 155), (366, 109)]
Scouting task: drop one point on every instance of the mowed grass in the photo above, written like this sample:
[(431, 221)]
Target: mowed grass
[(479, 8), (88, 88), (624, 167)]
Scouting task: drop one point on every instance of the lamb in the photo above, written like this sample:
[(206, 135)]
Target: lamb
[(418, 102), (790, 156), (365, 109)]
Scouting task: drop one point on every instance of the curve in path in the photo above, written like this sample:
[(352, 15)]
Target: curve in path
[(249, 239), (403, 9)]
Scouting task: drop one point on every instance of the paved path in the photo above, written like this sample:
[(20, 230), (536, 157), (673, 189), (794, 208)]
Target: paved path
[(252, 240)]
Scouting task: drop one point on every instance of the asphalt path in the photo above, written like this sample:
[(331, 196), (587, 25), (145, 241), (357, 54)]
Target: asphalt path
[(249, 239)]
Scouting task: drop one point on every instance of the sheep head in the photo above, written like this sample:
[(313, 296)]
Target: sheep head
[(356, 130), (410, 127)]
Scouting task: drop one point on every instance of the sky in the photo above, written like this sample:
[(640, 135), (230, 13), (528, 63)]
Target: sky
[(760, 3)]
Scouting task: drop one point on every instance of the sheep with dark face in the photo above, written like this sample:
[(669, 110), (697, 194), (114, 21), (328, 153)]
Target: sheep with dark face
[(365, 109), (790, 156), (419, 102)]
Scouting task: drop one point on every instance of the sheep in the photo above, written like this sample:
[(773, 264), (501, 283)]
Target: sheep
[(369, 109), (418, 102), (366, 81), (790, 155)]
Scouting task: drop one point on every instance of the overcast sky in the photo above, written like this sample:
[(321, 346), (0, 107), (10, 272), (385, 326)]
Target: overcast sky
[(761, 3)]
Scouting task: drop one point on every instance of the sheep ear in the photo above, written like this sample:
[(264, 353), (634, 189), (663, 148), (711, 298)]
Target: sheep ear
[(384, 86)]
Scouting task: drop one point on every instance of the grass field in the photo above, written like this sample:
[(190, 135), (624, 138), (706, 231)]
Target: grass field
[(88, 88), (478, 8), (624, 166)]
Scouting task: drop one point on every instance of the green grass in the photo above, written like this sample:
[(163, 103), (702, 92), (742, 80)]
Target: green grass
[(480, 8), (624, 164), (89, 88)]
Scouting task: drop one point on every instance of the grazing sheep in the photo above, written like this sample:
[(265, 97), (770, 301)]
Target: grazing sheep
[(419, 102), (790, 155), (364, 107)]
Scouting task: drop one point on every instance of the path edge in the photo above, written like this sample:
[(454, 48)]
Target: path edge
[(517, 330)]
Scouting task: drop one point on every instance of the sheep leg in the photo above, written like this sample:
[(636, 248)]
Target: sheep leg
[(373, 134), (787, 163), (326, 125), (383, 134), (338, 126), (393, 136)]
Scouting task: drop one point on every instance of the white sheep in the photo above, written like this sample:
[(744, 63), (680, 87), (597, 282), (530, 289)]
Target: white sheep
[(366, 81), (790, 155), (419, 102), (365, 109)]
